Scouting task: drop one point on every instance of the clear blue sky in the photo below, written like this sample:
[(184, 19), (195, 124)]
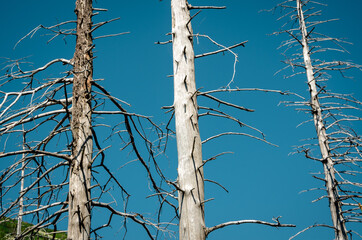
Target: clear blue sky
[(263, 181)]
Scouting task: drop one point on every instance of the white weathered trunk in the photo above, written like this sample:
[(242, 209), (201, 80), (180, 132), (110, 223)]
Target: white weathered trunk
[(329, 171), (80, 168), (190, 174), (21, 201)]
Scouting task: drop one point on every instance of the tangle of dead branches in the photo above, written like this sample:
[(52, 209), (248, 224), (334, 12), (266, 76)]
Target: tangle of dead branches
[(337, 144), (36, 138)]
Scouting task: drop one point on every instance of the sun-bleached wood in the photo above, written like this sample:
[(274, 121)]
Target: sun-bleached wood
[(328, 165), (190, 170)]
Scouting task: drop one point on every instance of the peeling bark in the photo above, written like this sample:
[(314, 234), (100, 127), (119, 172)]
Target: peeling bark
[(80, 167), (190, 171)]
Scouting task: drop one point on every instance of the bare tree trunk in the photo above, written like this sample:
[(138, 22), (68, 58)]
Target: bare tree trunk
[(329, 171), (21, 201), (80, 167), (190, 174)]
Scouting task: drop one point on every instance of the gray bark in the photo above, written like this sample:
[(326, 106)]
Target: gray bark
[(80, 168), (329, 171), (190, 172), (21, 201)]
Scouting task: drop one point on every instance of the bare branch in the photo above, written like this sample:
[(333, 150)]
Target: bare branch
[(221, 50), (237, 133), (222, 225)]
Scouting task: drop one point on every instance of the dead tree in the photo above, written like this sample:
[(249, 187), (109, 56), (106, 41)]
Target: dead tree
[(82, 150), (339, 145), (190, 170), (20, 215), (190, 181), (47, 124)]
